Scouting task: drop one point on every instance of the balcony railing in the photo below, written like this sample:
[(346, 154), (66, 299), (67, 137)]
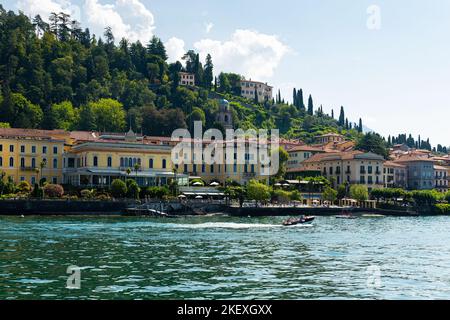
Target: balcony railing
[(28, 168)]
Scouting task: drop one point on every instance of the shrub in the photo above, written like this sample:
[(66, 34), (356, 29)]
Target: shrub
[(133, 189), (103, 197), (24, 187), (87, 194), (37, 191), (442, 208), (281, 196), (156, 192), (296, 195), (118, 188), (53, 190), (447, 197)]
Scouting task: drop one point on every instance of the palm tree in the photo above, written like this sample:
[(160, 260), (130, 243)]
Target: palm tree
[(137, 167), (128, 172)]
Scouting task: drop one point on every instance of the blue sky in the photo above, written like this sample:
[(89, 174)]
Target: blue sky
[(397, 77)]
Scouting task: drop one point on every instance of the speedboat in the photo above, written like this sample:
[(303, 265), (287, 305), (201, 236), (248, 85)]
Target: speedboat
[(295, 221), (345, 215)]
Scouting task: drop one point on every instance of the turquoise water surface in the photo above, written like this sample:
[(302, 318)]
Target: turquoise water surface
[(225, 258)]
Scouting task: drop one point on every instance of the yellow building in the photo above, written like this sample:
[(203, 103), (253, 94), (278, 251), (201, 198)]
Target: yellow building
[(98, 159), (23, 150)]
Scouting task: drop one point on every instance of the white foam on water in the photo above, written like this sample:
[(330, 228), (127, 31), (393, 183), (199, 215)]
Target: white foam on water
[(233, 225)]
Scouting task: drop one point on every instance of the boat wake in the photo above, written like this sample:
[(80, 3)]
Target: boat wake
[(231, 225)]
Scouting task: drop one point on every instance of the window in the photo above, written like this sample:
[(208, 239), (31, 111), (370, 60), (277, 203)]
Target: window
[(54, 180), (22, 162), (150, 163), (22, 149), (185, 168), (22, 178), (109, 162), (33, 180), (194, 168), (362, 180), (55, 163), (44, 149), (253, 168), (33, 163), (33, 149), (1, 161), (164, 164), (55, 150), (11, 162), (235, 168), (11, 148), (212, 169), (1, 147), (203, 168), (362, 169), (95, 161), (369, 169)]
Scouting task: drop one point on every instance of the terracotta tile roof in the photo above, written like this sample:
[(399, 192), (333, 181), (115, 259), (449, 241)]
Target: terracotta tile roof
[(32, 133), (441, 168), (413, 157), (393, 164), (349, 155), (302, 169), (306, 148)]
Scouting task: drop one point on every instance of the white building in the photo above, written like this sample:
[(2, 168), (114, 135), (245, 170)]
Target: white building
[(187, 79), (248, 88)]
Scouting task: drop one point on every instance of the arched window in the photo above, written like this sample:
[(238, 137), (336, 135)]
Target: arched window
[(95, 161), (164, 163), (121, 163), (109, 162), (150, 163), (22, 162), (130, 162), (55, 163), (139, 161), (11, 162), (1, 161), (33, 162)]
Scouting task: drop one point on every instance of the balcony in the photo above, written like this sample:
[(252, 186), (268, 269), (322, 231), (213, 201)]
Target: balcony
[(362, 171), (28, 168)]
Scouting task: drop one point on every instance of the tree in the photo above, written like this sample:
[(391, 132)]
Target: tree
[(109, 115), (133, 189), (208, 76), (373, 142), (118, 188), (342, 117), (360, 127), (257, 191), (310, 106), (19, 112), (329, 194), (53, 190), (283, 157), (64, 115), (359, 192)]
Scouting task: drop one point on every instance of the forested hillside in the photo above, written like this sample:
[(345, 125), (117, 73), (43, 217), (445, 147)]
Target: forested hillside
[(59, 75)]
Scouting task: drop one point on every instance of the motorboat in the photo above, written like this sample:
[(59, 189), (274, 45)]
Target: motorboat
[(295, 221), (345, 215)]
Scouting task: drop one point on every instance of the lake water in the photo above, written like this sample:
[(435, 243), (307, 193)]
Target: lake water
[(225, 258)]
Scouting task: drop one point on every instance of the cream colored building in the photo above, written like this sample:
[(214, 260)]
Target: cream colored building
[(187, 79), (441, 178), (299, 154), (264, 91), (354, 167), (330, 138), (23, 152)]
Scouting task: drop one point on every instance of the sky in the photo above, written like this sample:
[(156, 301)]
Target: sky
[(384, 61)]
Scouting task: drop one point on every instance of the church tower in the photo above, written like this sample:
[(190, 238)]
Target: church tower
[(225, 116)]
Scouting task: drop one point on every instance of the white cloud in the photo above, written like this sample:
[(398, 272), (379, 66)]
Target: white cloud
[(175, 49), (208, 27), (45, 7), (250, 53), (128, 19)]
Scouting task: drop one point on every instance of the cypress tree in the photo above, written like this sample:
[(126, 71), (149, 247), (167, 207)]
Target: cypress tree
[(346, 124), (310, 106), (342, 117), (332, 113), (360, 127), (256, 96), (300, 102), (294, 96)]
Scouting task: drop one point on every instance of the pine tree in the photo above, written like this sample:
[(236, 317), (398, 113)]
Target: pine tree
[(208, 74)]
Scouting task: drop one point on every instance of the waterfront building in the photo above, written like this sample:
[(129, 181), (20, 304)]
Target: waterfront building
[(31, 155), (441, 178), (395, 175), (264, 91), (97, 159), (420, 171), (354, 167), (299, 154), (242, 173), (187, 79)]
